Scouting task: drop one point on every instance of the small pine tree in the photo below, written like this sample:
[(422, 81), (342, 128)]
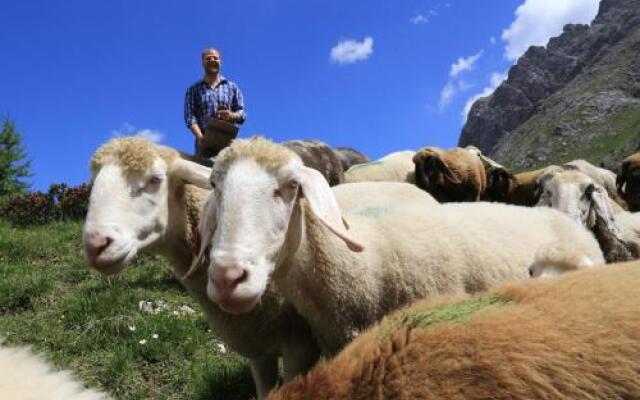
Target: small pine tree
[(14, 167)]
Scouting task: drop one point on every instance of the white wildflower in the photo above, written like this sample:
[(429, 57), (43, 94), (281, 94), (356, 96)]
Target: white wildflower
[(155, 336), (186, 310), (143, 341)]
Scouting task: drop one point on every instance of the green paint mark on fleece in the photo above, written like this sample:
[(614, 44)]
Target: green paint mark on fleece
[(457, 313), (371, 211), (357, 166)]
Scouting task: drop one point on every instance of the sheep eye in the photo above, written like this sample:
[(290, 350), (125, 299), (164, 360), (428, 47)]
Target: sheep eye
[(213, 184), (154, 180), (588, 191), (293, 184)]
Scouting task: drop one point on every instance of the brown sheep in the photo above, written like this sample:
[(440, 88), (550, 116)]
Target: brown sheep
[(523, 189), (450, 175), (350, 157), (628, 181), (572, 337), (319, 156)]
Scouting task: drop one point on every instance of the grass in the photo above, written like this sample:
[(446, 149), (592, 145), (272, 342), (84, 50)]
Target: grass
[(612, 138), (79, 320)]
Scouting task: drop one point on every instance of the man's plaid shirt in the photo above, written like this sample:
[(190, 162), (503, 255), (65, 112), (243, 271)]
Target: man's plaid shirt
[(202, 101)]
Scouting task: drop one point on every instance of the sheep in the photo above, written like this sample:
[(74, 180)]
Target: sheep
[(520, 189), (628, 181), (147, 197), (284, 224), (320, 156), (394, 167), (573, 337), (603, 177), (587, 202), (450, 175), (350, 157), (26, 376), (459, 174), (523, 189)]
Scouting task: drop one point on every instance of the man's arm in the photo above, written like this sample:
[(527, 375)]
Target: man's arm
[(195, 129), (237, 106), (189, 114), (237, 113)]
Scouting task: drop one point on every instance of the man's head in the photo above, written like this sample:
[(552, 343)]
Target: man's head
[(211, 61)]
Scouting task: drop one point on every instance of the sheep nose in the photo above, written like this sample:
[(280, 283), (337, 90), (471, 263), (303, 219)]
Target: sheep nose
[(95, 244), (228, 276)]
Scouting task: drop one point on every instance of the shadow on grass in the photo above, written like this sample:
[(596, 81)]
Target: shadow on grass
[(231, 382)]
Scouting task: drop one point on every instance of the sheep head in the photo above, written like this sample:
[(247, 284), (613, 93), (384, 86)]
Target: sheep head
[(254, 220), (433, 174), (129, 203), (628, 181), (575, 194), (500, 184)]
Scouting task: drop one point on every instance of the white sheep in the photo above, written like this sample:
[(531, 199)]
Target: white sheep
[(394, 167), (26, 376), (148, 197), (578, 195), (274, 218)]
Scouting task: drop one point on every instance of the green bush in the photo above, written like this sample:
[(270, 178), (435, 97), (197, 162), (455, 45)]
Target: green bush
[(60, 203)]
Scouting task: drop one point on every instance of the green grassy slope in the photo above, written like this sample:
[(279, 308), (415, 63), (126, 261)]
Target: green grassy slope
[(51, 301)]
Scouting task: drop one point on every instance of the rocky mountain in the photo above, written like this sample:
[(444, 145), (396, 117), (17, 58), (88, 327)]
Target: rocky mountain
[(578, 97)]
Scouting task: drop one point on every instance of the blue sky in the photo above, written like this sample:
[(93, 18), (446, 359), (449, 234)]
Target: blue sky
[(378, 76)]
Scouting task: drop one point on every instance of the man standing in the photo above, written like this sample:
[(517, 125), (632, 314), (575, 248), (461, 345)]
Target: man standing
[(210, 100)]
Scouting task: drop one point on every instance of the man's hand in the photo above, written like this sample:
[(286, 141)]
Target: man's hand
[(226, 115)]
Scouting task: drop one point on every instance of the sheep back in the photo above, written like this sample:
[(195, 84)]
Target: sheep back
[(573, 337), (26, 376), (394, 167)]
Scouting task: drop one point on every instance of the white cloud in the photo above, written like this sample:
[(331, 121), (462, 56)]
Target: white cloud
[(124, 130), (451, 90), (350, 51), (447, 94), (538, 20), (151, 135), (425, 17), (419, 19), (495, 80), (128, 129), (464, 64), (456, 84)]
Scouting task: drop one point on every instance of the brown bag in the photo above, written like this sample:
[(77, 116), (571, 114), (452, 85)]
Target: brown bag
[(218, 135)]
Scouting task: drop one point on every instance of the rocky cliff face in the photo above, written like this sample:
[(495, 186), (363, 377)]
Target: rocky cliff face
[(578, 97)]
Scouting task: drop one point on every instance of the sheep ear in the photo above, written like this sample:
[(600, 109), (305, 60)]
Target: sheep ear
[(429, 162), (203, 234), (622, 177), (191, 172), (541, 182), (500, 180), (323, 204), (601, 209), (447, 172)]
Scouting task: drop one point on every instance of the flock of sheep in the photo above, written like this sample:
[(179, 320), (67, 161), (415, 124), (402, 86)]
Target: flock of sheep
[(297, 250)]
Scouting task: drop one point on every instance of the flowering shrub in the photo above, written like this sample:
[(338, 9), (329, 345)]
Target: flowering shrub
[(60, 203)]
